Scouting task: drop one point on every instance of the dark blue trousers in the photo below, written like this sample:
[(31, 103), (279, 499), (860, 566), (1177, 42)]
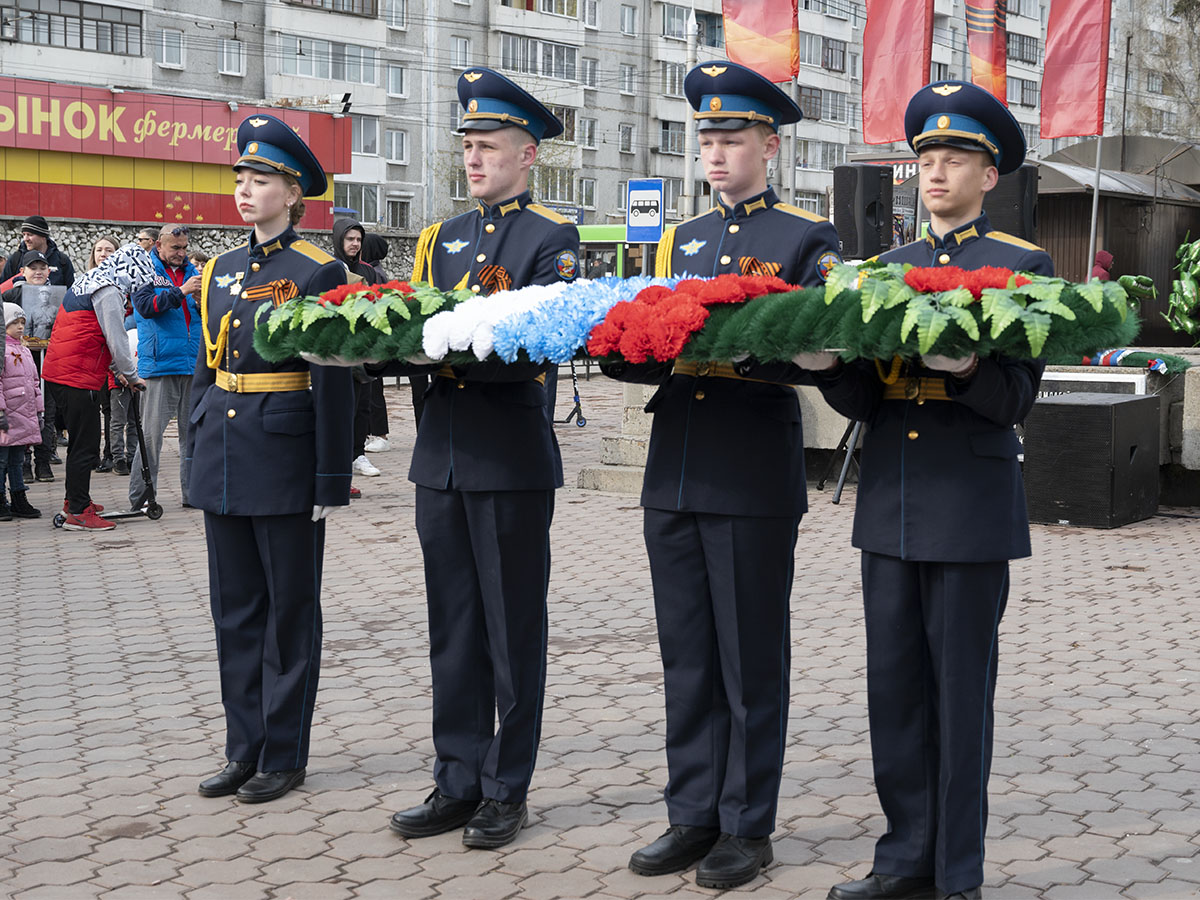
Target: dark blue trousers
[(264, 576), (487, 572), (932, 632), (721, 591)]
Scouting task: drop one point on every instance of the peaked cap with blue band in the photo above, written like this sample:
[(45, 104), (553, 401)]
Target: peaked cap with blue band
[(958, 114), (730, 97), (493, 101), (268, 144)]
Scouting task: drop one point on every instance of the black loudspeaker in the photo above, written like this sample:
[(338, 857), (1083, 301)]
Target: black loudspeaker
[(1092, 459), (1012, 204), (862, 209)]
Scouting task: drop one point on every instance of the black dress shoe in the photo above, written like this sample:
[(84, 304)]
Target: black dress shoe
[(974, 893), (733, 861), (884, 887), (120, 467), (270, 785), (228, 780), (678, 848), (437, 815), (495, 824)]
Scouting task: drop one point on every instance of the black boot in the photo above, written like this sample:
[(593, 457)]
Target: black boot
[(676, 850), (42, 471), (105, 464), (5, 512), (21, 508)]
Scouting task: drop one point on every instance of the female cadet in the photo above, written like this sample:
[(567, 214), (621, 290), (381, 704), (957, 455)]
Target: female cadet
[(269, 445)]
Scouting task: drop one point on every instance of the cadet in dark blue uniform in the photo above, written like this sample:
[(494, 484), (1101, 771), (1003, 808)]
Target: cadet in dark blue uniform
[(270, 456), (724, 492), (486, 464), (940, 512)]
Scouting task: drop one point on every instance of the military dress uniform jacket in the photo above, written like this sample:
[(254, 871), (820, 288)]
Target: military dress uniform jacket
[(283, 451), (940, 479), (484, 427), (722, 445)]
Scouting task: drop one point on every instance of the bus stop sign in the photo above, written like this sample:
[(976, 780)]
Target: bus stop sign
[(644, 211)]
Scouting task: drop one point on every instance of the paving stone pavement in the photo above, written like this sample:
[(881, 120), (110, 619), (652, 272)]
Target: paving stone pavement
[(111, 713)]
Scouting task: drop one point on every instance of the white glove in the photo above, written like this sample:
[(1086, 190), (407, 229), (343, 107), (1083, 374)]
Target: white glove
[(741, 357), (949, 364), (320, 512), (339, 361), (816, 362)]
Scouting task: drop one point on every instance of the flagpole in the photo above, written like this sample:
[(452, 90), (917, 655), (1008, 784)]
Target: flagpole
[(1095, 211)]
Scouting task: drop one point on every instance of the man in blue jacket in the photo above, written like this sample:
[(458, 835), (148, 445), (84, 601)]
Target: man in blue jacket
[(168, 326)]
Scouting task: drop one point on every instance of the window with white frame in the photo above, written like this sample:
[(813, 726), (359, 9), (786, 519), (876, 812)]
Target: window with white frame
[(628, 20), (674, 21), (459, 185), (625, 138), (628, 78), (556, 184), (810, 49), (534, 57), (396, 146), (397, 13), (559, 61), (168, 49), (566, 115), (561, 8), (810, 201), (364, 134), (671, 137), (1033, 136), (395, 81), (362, 198), (589, 72), (622, 194), (672, 79), (326, 59), (587, 133), (591, 13), (672, 191), (1154, 82), (833, 106), (460, 52), (399, 214), (353, 63), (854, 66), (232, 59), (711, 29), (587, 193)]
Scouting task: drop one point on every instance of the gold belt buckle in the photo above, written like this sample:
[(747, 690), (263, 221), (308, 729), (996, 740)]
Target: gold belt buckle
[(232, 381), (912, 388), (703, 369)]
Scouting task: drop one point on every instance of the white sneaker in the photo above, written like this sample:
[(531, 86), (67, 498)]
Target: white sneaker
[(362, 466), (378, 445)]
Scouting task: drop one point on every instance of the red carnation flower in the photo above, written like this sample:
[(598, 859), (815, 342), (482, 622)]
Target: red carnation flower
[(949, 278), (338, 295)]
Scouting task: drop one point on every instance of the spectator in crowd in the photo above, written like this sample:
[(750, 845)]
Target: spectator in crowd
[(198, 259), (88, 337), (35, 270), (1102, 265), (168, 326), (146, 237), (104, 247), (20, 409), (347, 246), (35, 235)]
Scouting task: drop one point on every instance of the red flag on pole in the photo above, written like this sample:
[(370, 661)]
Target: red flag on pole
[(762, 35), (986, 41), (1076, 70), (897, 50)]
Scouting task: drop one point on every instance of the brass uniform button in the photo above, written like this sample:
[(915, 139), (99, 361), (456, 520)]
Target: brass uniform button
[(237, 323), (726, 260), (699, 395), (237, 354), (734, 229), (912, 435), (489, 227), (944, 258), (461, 385), (920, 401), (245, 295), (475, 288), (481, 257), (231, 413), (254, 267)]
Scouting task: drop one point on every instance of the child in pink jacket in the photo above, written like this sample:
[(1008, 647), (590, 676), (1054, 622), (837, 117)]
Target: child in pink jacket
[(20, 408)]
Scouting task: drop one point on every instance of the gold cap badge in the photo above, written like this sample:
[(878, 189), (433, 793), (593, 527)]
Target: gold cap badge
[(714, 104), (258, 123), (252, 147), (713, 71), (472, 76), (943, 121), (945, 90), (473, 105)]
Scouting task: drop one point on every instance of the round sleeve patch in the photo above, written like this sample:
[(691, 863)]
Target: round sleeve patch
[(826, 263), (567, 265)]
